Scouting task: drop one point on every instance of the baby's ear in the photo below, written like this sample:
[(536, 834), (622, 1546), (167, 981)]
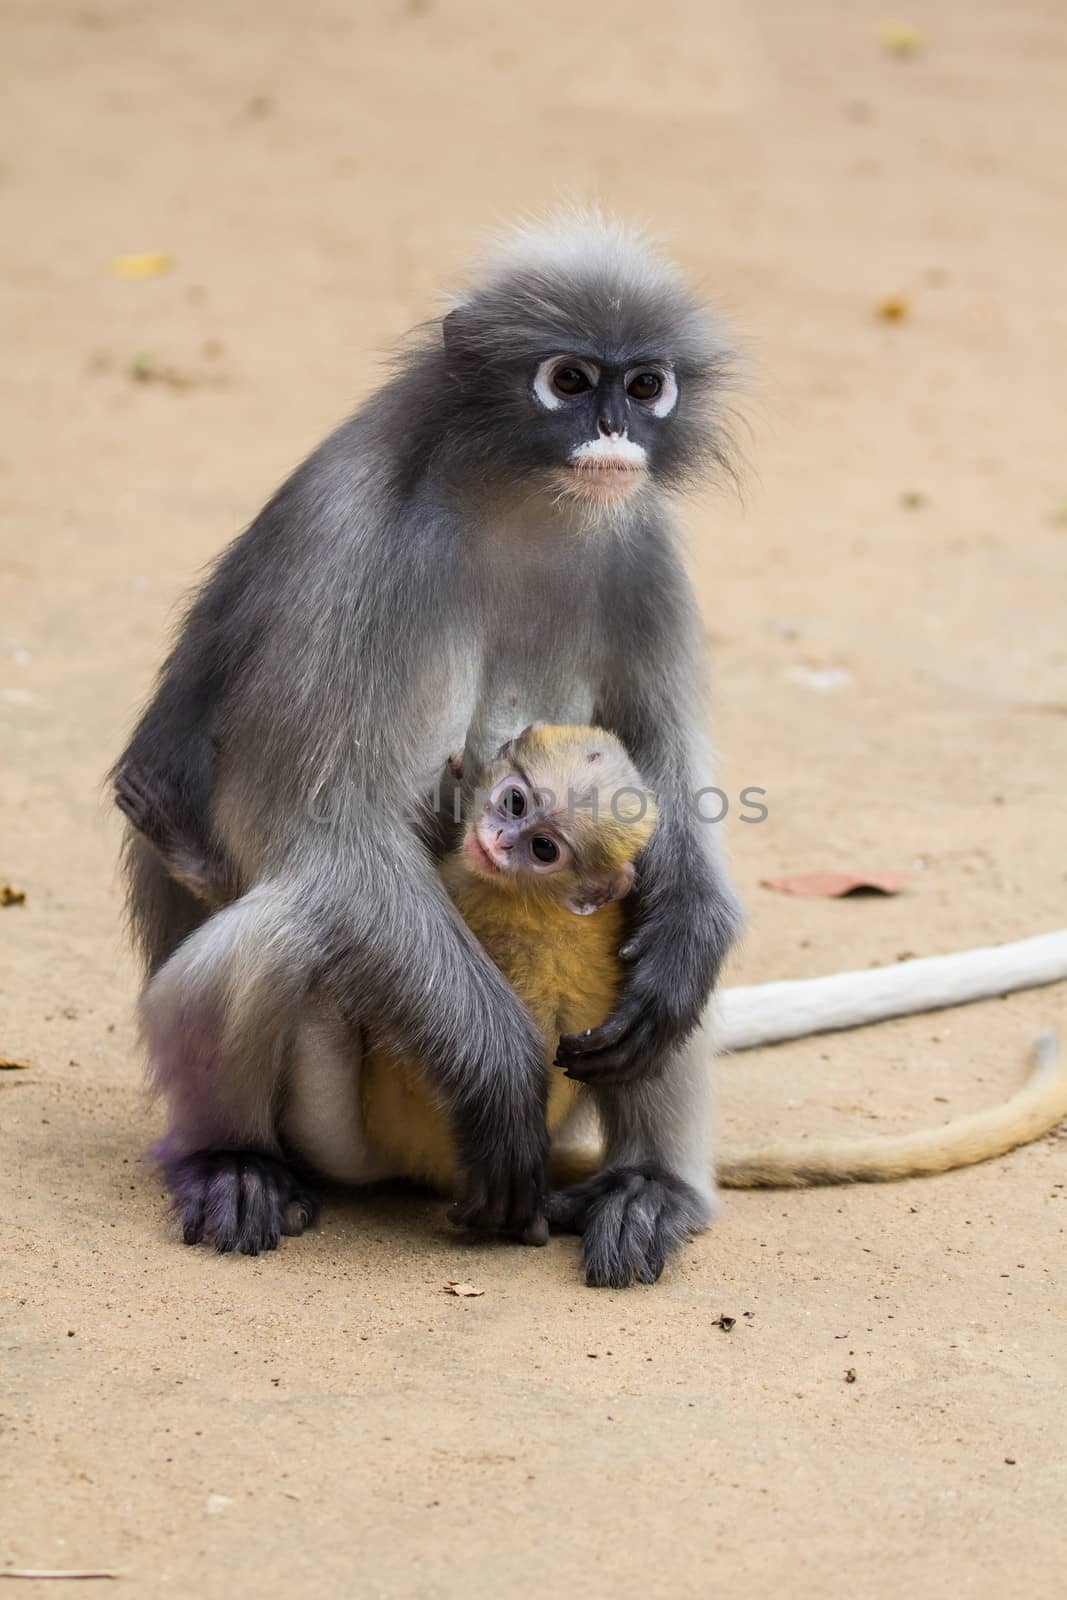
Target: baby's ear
[(590, 896), (504, 753), (455, 764)]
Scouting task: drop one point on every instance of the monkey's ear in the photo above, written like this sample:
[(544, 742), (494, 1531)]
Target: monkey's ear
[(602, 891), (509, 744), (452, 327)]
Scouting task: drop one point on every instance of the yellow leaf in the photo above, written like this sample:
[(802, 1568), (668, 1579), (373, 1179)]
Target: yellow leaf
[(894, 308), (902, 38), (466, 1291), (149, 265), (10, 896)]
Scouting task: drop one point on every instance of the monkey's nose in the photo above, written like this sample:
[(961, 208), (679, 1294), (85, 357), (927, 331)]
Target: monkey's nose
[(608, 428)]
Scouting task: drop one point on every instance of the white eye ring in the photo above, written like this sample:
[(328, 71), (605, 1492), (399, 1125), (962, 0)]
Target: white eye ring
[(502, 789), (542, 384), (667, 399)]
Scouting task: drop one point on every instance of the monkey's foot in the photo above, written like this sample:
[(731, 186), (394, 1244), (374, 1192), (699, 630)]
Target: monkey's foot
[(237, 1199), (630, 1220)]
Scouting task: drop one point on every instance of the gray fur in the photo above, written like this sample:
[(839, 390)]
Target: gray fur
[(422, 582)]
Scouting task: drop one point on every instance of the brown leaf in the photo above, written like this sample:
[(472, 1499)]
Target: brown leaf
[(832, 885), (9, 1064), (466, 1291), (10, 896)]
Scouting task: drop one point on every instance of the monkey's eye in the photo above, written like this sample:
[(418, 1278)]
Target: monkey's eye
[(569, 381), (513, 801), (544, 849), (561, 378), (645, 386)]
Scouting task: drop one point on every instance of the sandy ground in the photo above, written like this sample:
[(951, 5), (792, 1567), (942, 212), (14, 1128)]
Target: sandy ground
[(327, 1418)]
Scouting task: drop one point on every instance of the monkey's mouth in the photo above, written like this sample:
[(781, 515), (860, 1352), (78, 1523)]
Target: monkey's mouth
[(604, 477), (479, 857)]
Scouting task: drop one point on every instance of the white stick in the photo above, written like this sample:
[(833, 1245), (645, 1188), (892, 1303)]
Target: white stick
[(767, 1013)]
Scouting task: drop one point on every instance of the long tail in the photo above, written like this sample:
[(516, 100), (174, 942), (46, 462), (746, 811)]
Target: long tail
[(1035, 1109), (767, 1013)]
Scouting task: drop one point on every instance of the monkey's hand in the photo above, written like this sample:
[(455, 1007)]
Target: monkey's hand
[(671, 961), (506, 1190)]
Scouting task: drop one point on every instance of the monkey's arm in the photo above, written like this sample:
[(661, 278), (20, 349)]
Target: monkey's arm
[(683, 913), (407, 961)]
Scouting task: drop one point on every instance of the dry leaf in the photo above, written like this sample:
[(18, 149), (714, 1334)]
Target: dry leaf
[(144, 368), (902, 39), (832, 885), (10, 896), (894, 308), (148, 265), (8, 1064), (466, 1291)]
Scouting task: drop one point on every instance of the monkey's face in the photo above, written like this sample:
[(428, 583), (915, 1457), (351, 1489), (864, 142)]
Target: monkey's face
[(560, 812), (515, 835), (602, 421), (594, 382)]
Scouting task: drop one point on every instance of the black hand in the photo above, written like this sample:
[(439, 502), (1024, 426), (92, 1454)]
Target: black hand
[(671, 963), (507, 1185)]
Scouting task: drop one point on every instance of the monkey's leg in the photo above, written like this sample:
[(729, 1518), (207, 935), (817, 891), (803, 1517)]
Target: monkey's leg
[(322, 1115), (655, 1190), (219, 1017)]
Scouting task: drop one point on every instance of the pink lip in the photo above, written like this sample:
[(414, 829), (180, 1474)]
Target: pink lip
[(605, 478), (478, 855)]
